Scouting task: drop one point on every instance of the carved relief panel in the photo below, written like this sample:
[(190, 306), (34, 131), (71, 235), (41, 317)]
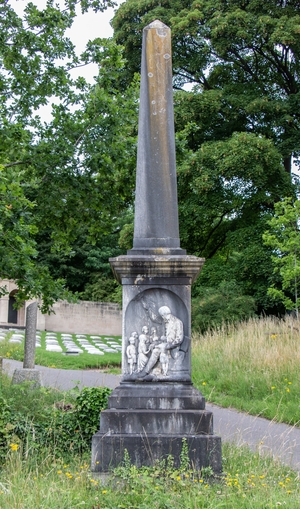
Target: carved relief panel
[(156, 337)]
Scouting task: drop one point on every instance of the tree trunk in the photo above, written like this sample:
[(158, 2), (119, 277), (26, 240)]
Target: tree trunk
[(288, 164)]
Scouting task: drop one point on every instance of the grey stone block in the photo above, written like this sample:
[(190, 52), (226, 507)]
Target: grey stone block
[(172, 422), (157, 396), (145, 450), (22, 375)]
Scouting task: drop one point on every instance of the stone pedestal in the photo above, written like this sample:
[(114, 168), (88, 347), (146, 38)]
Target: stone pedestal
[(28, 373), (22, 375), (156, 408), (152, 282), (151, 422)]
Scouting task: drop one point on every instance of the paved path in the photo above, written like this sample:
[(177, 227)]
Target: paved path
[(66, 379), (280, 441)]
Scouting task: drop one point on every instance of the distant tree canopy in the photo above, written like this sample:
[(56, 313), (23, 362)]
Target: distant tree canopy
[(242, 56), (71, 179)]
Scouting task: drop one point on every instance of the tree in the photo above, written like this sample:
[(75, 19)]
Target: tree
[(237, 129), (243, 53), (245, 86), (18, 249), (69, 175), (284, 238)]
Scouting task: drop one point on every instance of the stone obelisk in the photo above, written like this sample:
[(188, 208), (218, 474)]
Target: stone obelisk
[(156, 210), (156, 406)]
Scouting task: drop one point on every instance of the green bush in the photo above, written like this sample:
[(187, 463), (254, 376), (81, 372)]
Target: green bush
[(5, 426), (45, 418), (216, 306)]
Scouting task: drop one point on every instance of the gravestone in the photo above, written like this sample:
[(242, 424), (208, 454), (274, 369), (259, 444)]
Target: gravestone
[(156, 408), (28, 372)]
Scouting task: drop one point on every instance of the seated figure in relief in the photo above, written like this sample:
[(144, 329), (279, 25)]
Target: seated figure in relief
[(168, 345)]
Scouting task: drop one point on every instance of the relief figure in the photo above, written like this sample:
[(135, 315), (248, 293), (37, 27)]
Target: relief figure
[(131, 352), (143, 349), (168, 345)]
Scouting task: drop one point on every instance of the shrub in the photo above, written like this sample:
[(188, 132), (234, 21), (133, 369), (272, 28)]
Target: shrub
[(65, 425), (216, 306)]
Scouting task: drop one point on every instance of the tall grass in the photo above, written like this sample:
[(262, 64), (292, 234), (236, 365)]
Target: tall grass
[(253, 366), (249, 482)]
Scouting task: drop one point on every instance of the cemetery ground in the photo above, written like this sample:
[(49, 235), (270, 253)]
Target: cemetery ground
[(65, 351), (45, 434)]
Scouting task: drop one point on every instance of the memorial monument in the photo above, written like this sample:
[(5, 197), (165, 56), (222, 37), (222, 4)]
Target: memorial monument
[(28, 373), (156, 407)]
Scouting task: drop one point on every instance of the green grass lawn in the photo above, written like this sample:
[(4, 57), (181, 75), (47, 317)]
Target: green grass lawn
[(60, 360)]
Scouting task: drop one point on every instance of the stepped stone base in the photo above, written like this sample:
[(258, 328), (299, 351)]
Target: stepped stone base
[(151, 421), (145, 450)]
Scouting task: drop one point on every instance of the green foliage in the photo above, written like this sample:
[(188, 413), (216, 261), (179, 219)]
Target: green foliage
[(242, 57), (102, 289), (18, 248), (39, 418), (88, 405), (184, 456), (68, 177), (284, 237), (222, 304), (236, 127), (237, 131), (250, 480)]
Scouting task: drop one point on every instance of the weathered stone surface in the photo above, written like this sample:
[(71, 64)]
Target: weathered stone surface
[(145, 450), (30, 336), (156, 422), (156, 214), (156, 396), (22, 375), (151, 283)]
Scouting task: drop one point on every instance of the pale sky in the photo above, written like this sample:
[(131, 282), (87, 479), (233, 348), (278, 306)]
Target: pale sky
[(86, 27)]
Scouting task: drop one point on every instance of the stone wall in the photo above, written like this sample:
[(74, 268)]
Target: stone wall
[(85, 317), (11, 288)]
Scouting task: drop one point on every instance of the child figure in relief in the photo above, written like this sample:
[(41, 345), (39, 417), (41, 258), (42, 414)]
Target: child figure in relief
[(153, 336), (131, 352), (143, 348)]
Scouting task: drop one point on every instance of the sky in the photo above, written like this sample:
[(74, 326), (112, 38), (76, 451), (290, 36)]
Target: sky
[(86, 27)]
